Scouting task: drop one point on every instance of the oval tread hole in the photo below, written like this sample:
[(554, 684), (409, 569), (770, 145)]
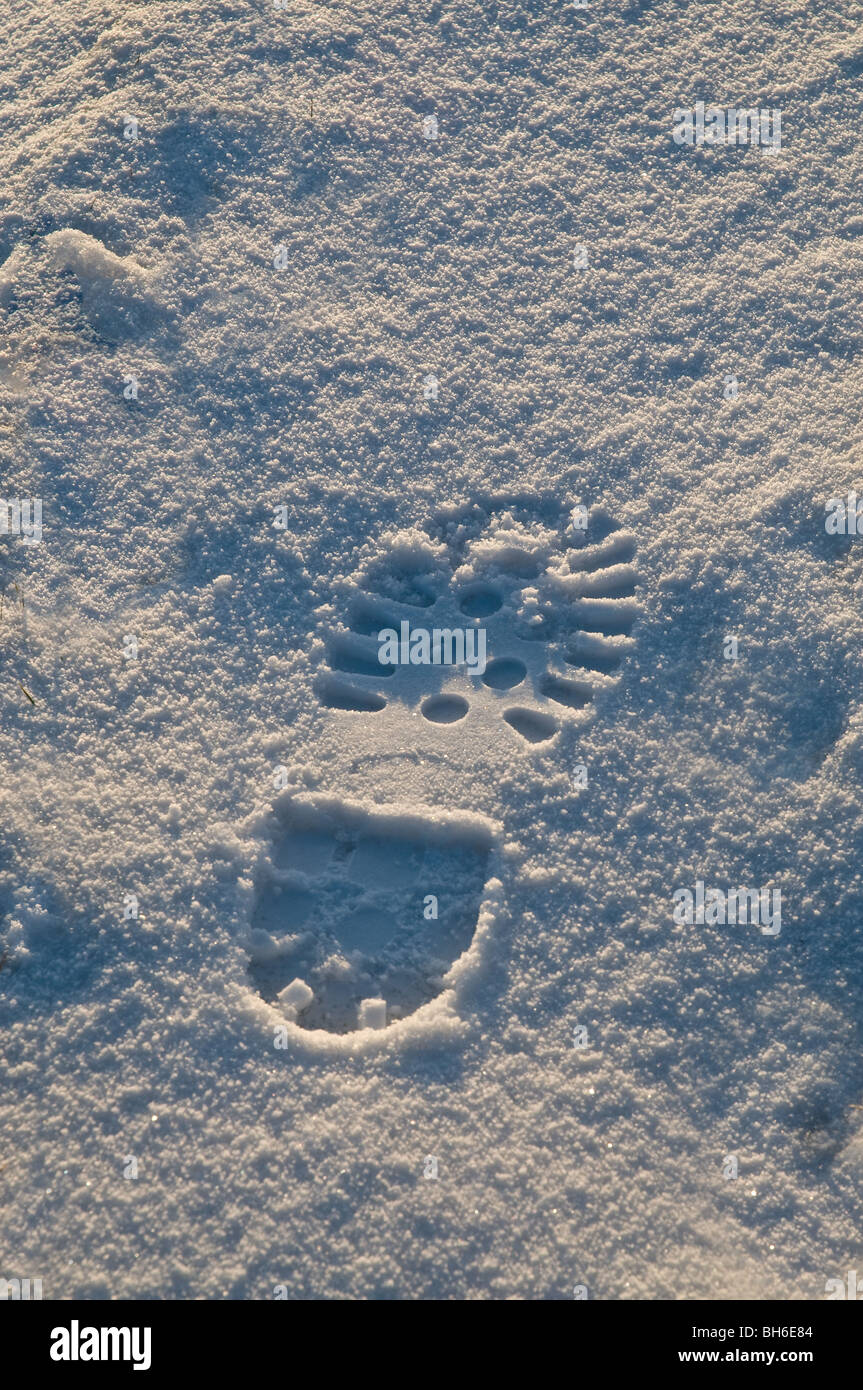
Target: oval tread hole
[(504, 673), (444, 709), (536, 728), (480, 601)]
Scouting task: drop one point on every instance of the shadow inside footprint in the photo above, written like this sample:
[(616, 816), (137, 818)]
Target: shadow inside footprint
[(534, 727), (358, 917)]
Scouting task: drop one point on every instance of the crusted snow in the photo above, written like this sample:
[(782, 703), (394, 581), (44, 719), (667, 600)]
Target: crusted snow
[(152, 784)]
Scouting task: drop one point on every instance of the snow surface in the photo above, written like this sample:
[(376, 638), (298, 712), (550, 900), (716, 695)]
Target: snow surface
[(239, 311)]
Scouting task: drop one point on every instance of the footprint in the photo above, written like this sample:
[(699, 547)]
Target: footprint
[(357, 916), (116, 296), (549, 591)]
